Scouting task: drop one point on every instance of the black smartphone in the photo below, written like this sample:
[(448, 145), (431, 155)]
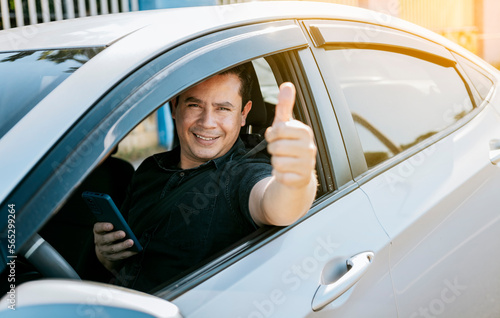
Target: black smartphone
[(105, 210)]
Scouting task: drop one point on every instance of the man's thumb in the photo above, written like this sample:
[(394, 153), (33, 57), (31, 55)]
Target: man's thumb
[(286, 100)]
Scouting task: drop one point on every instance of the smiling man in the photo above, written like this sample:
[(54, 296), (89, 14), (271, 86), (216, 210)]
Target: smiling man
[(229, 195), (210, 116)]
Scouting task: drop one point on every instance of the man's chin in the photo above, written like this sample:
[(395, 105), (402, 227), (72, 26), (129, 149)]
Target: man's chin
[(207, 155)]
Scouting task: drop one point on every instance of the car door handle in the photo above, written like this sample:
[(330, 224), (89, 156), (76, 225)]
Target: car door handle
[(494, 151), (356, 267)]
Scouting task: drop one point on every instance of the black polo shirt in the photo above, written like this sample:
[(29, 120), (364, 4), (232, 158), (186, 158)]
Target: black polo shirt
[(204, 218)]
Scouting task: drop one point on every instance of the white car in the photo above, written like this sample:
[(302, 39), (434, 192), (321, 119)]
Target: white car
[(407, 125)]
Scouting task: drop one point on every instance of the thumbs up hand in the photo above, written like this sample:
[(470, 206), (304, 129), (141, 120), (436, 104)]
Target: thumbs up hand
[(290, 143)]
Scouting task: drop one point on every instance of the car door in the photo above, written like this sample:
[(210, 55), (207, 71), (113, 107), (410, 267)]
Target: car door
[(302, 270), (421, 152), (335, 260)]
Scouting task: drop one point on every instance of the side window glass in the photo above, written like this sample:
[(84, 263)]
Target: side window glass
[(481, 82), (397, 100)]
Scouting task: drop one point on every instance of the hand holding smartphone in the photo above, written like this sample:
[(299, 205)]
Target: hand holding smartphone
[(105, 210)]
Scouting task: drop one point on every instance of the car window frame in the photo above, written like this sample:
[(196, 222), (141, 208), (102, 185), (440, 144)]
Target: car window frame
[(418, 47)]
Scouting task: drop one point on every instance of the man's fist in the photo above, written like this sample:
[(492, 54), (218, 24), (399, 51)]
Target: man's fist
[(291, 143)]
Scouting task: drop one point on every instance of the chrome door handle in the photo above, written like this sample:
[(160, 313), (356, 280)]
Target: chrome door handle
[(356, 267)]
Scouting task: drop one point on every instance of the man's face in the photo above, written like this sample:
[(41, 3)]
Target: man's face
[(208, 118)]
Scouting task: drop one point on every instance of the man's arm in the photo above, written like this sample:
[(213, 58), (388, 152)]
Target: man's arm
[(286, 196)]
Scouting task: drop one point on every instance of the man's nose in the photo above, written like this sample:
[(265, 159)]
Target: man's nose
[(207, 118)]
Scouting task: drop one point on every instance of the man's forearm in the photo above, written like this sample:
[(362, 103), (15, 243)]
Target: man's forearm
[(282, 205)]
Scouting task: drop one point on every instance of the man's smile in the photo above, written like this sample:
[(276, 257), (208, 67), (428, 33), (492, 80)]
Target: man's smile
[(205, 138)]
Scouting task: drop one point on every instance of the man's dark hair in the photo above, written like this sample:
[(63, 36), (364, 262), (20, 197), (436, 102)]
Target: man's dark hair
[(243, 72)]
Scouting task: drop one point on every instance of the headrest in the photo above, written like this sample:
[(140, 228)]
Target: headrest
[(258, 115)]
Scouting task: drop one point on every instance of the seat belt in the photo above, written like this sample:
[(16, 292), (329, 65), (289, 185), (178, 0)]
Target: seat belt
[(258, 148)]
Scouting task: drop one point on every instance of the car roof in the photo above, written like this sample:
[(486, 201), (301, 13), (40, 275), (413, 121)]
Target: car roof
[(103, 30), (131, 40)]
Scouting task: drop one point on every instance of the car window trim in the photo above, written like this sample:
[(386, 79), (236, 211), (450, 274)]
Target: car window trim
[(348, 34)]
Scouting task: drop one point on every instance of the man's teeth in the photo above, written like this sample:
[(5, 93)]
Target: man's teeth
[(205, 138)]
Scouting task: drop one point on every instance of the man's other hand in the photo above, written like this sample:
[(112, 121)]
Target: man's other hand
[(109, 247)]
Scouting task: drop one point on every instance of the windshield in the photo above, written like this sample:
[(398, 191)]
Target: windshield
[(27, 77)]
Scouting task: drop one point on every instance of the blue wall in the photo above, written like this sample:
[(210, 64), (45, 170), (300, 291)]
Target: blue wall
[(162, 4)]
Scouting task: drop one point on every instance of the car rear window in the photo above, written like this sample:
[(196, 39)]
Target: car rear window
[(28, 76), (397, 100)]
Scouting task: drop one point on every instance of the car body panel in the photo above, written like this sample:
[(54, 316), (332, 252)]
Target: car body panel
[(429, 199), (342, 229), (106, 29), (76, 33), (85, 298)]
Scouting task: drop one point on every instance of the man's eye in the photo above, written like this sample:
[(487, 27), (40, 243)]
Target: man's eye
[(224, 108), (193, 105)]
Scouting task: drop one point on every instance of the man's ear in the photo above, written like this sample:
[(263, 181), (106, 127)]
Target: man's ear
[(173, 105), (245, 111)]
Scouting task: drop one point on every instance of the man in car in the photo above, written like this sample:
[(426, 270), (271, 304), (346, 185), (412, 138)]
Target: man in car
[(232, 194)]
